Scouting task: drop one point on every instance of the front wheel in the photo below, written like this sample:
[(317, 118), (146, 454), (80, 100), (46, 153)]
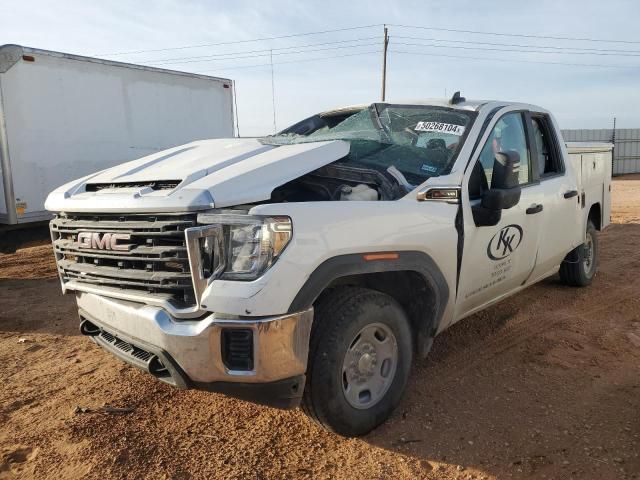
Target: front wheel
[(359, 361), (580, 266)]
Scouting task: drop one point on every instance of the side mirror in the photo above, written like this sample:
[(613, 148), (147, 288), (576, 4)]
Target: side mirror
[(506, 169), (501, 198), (504, 192)]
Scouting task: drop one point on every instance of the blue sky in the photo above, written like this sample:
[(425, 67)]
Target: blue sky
[(580, 96)]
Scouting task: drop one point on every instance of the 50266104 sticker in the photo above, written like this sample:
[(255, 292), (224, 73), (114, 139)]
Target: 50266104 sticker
[(440, 127)]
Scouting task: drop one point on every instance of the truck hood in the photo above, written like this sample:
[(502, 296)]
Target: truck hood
[(198, 175)]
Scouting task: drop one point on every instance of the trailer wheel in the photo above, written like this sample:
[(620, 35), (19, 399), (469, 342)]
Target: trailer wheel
[(7, 245), (580, 266), (359, 360)]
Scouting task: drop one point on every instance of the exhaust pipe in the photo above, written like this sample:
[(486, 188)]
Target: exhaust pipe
[(87, 328)]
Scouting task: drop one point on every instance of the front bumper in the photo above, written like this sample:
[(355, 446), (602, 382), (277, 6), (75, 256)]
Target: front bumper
[(189, 353)]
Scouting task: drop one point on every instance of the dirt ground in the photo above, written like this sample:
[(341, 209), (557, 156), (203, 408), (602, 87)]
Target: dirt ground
[(544, 385)]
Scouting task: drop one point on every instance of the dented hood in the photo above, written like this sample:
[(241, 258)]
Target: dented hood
[(198, 175)]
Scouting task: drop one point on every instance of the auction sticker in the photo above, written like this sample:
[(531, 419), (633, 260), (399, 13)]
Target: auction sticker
[(449, 128)]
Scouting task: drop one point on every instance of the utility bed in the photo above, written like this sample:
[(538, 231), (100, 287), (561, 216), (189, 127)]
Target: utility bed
[(593, 164)]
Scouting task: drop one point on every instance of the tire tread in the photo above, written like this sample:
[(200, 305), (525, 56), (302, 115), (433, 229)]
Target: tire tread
[(331, 305), (571, 273), (333, 311)]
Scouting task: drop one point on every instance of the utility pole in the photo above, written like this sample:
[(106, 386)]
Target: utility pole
[(273, 94), (384, 63), (613, 152), (235, 108)]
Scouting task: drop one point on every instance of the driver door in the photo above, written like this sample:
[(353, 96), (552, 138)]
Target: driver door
[(498, 259)]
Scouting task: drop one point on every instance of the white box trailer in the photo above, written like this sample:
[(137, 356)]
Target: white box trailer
[(64, 116)]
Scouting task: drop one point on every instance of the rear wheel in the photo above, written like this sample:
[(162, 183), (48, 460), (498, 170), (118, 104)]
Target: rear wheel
[(359, 360), (580, 266), (9, 241)]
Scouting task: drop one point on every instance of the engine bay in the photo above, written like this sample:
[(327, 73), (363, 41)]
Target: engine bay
[(340, 182)]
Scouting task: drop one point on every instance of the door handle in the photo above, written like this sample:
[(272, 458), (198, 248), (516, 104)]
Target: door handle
[(534, 209), (571, 194)]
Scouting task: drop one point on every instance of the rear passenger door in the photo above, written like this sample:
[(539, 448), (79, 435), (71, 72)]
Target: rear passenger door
[(561, 219)]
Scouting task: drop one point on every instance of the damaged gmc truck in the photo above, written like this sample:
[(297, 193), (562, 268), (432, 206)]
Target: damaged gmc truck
[(313, 266)]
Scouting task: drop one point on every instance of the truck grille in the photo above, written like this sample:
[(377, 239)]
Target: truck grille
[(144, 252)]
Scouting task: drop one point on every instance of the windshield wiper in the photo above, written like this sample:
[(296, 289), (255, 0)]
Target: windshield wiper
[(384, 131)]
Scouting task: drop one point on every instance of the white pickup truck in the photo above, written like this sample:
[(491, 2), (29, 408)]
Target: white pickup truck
[(311, 267)]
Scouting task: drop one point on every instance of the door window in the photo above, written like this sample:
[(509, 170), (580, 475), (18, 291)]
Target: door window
[(507, 134), (549, 163)]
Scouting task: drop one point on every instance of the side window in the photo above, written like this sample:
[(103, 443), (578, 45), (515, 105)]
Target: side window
[(548, 162), (507, 134)]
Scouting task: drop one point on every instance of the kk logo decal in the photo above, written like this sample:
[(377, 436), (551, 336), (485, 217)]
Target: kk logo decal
[(504, 242)]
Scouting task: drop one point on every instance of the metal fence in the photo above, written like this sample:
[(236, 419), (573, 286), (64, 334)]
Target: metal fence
[(626, 152)]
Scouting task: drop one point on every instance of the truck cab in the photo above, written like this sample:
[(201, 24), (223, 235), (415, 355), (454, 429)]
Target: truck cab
[(313, 267)]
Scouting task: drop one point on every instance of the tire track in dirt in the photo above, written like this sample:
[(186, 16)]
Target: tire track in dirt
[(525, 332), (593, 300), (517, 333)]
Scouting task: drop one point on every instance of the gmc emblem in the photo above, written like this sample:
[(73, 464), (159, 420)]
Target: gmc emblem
[(104, 241)]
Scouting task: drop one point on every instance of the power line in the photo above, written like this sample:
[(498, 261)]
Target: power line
[(289, 61), (320, 32), (516, 44), (548, 37), (512, 50), (184, 47), (268, 53), (514, 60), (167, 60)]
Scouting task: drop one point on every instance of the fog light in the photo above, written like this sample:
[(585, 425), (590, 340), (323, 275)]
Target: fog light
[(237, 349)]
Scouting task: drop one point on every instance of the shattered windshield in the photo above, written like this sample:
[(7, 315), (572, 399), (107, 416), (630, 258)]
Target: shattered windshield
[(419, 141)]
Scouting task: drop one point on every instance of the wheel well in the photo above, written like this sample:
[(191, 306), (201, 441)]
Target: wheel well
[(410, 289), (595, 215)]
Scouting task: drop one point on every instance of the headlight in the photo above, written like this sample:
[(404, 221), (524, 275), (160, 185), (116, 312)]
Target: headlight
[(236, 247), (254, 247)]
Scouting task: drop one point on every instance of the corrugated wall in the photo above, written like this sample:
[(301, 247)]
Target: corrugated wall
[(626, 154)]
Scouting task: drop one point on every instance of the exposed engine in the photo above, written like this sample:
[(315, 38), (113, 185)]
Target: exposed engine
[(340, 182)]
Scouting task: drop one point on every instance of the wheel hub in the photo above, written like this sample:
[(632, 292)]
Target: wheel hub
[(369, 365), (588, 252)]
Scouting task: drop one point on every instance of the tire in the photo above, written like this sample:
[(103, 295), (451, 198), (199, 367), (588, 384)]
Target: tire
[(580, 266), (352, 343), (8, 242)]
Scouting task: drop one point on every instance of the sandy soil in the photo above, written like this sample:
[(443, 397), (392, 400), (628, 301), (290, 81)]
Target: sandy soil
[(544, 385), (626, 199), (31, 262)]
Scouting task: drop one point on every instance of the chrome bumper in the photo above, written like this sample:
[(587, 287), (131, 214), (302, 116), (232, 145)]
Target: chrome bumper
[(280, 343)]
